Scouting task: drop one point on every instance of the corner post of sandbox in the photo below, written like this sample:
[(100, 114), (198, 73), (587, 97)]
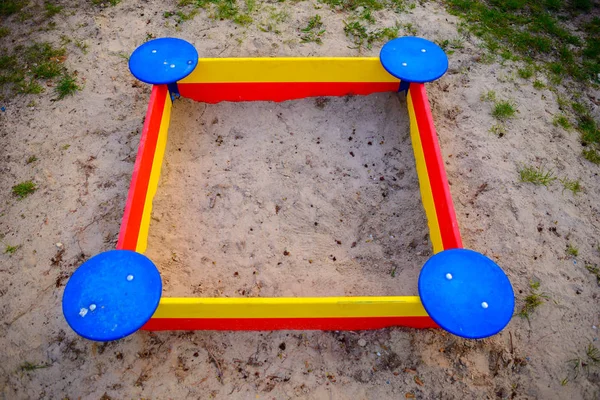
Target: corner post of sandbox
[(463, 291)]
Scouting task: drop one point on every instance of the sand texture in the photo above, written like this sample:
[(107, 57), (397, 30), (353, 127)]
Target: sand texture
[(300, 198)]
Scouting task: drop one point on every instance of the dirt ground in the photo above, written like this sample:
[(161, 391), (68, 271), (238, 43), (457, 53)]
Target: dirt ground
[(85, 146)]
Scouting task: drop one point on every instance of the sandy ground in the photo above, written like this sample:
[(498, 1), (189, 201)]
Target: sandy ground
[(301, 198), (86, 146)]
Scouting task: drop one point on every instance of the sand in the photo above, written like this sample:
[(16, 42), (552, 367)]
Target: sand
[(300, 198), (83, 188)]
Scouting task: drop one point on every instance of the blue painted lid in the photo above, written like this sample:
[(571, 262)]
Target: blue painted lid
[(112, 295), (413, 59), (163, 61), (466, 293)]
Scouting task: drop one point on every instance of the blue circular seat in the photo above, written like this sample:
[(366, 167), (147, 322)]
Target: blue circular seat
[(466, 293), (112, 295), (163, 61), (414, 59)]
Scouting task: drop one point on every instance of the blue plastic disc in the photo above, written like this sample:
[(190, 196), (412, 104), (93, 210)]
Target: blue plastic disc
[(163, 61), (414, 59), (466, 293), (112, 295)]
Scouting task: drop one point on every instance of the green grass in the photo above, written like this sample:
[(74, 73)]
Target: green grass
[(498, 130), (67, 86), (592, 155), (32, 159), (450, 45), (536, 175), (504, 110), (24, 189), (9, 7), (11, 249), (562, 121), (532, 301), (52, 9), (4, 31), (533, 30), (488, 96), (538, 85), (313, 30), (572, 250), (594, 270), (362, 36), (27, 366), (23, 70), (572, 185), (527, 72)]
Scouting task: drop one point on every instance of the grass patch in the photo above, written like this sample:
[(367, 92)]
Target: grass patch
[(538, 85), (11, 249), (592, 155), (572, 185), (9, 7), (27, 366), (313, 30), (532, 301), (52, 9), (590, 359), (498, 130), (527, 72), (23, 70), (31, 159), (362, 36), (536, 175), (535, 30), (594, 270), (24, 189), (572, 250), (67, 86), (504, 110), (562, 121), (4, 31)]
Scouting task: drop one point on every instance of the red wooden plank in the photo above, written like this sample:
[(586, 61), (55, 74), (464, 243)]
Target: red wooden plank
[(435, 169), (134, 208), (279, 91), (268, 324)]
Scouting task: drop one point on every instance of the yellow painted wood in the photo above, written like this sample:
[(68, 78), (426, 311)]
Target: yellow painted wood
[(159, 153), (290, 307), (289, 69), (424, 184)]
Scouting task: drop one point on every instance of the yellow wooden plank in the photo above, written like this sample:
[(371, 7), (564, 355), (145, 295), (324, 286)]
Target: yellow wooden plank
[(159, 153), (289, 69), (290, 307), (424, 185)]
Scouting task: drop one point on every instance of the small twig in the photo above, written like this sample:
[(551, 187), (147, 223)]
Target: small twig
[(217, 365), (512, 348)]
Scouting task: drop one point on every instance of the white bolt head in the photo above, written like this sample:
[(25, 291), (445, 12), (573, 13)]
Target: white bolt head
[(129, 278), (92, 307), (172, 65), (484, 305), (404, 64), (190, 62), (423, 51), (153, 51), (449, 276)]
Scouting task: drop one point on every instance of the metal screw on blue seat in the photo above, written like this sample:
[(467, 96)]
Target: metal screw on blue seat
[(163, 61), (466, 293), (413, 60), (112, 295)]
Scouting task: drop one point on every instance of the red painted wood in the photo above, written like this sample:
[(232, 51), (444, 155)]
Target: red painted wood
[(269, 324), (279, 91), (442, 198), (134, 208)]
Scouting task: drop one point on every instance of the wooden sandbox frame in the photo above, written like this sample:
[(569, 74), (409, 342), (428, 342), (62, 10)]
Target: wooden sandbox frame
[(280, 79)]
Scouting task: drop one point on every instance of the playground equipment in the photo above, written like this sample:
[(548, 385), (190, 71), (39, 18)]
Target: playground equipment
[(118, 292)]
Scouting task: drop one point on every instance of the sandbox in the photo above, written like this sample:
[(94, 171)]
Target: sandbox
[(296, 193)]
